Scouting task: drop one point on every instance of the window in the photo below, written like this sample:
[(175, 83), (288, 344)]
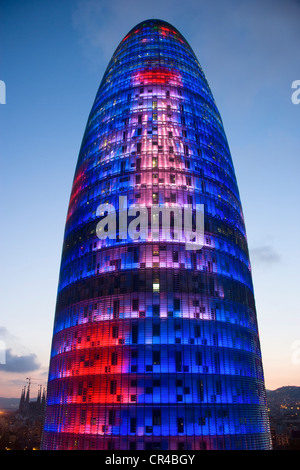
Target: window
[(110, 445), (180, 425), (115, 331), (134, 354), (178, 360), (111, 417), (156, 417), (135, 304), (197, 330), (200, 390), (133, 425), (116, 308), (156, 329), (114, 358), (113, 387), (156, 357), (82, 416), (156, 286), (198, 358), (218, 387), (155, 310), (134, 333), (135, 255)]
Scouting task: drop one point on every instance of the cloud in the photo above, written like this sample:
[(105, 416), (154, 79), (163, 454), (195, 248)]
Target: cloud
[(4, 333), (264, 255), (14, 363), (13, 358)]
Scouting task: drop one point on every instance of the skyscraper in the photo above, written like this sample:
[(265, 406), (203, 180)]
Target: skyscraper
[(155, 342)]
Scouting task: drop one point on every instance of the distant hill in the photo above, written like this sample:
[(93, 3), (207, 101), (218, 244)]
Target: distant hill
[(289, 393), (9, 403)]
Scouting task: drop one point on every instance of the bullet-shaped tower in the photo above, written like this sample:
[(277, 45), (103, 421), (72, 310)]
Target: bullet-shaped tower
[(155, 341)]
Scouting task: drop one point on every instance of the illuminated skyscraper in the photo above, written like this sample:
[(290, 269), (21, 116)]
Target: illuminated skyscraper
[(155, 344)]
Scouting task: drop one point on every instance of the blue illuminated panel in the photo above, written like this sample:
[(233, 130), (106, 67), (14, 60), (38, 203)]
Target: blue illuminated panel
[(155, 346)]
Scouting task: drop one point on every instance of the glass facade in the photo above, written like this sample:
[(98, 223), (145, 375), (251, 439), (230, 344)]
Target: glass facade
[(155, 346)]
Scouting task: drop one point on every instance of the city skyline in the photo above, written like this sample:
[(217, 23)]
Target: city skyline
[(42, 185)]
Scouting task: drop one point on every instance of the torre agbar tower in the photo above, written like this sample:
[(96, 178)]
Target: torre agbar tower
[(155, 346)]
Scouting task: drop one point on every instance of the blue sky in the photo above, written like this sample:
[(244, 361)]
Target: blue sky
[(53, 56)]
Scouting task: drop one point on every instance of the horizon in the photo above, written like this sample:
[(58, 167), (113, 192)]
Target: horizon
[(53, 59), (34, 398)]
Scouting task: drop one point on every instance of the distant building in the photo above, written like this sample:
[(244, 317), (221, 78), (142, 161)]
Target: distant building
[(32, 408), (295, 439)]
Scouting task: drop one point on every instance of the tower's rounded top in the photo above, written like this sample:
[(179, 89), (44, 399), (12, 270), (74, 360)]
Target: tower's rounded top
[(154, 24)]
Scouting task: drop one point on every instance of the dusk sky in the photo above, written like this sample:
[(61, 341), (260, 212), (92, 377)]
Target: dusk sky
[(53, 56)]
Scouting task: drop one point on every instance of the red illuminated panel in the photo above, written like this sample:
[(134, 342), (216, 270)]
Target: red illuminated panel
[(77, 187), (159, 75)]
